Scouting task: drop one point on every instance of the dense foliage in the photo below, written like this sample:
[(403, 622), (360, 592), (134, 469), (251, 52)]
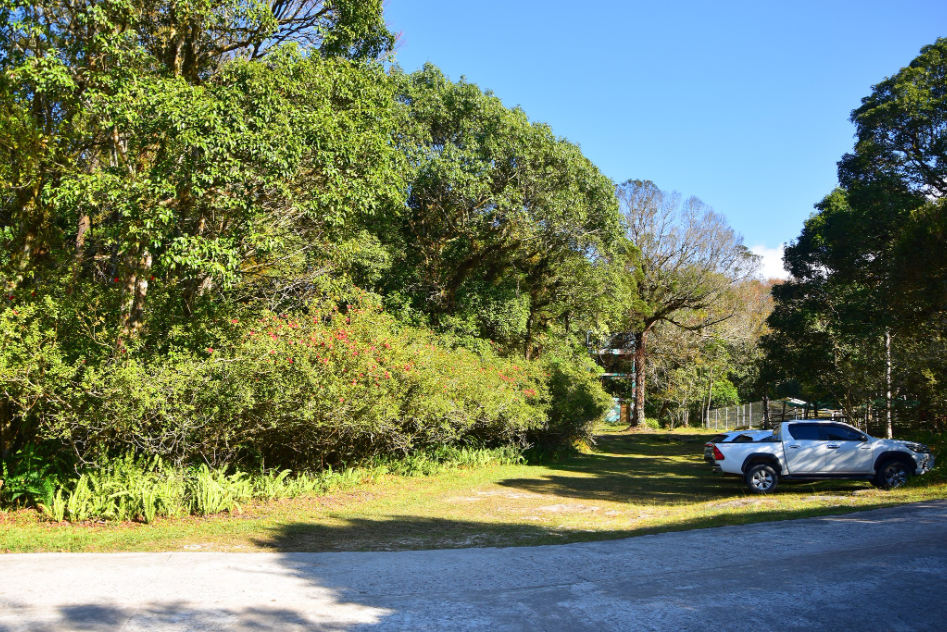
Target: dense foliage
[(298, 390), (193, 194), (508, 233), (862, 322)]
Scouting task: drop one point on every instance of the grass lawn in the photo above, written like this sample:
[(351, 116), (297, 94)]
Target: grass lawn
[(629, 484)]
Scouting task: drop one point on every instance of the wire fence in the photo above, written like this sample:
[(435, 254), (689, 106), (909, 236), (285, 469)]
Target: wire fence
[(751, 415), (736, 417)]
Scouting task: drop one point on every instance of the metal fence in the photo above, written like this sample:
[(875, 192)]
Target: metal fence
[(736, 417), (874, 422)]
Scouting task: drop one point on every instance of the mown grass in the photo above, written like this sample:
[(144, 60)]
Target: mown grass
[(628, 484)]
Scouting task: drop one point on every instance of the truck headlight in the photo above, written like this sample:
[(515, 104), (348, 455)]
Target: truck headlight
[(917, 447)]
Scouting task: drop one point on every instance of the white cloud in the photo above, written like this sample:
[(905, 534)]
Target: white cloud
[(771, 262)]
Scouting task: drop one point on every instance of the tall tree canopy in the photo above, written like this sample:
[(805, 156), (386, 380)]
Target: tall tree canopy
[(135, 155), (690, 257), (179, 177), (507, 230), (868, 275)]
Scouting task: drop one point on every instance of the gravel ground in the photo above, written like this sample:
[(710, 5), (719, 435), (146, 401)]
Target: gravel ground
[(877, 570)]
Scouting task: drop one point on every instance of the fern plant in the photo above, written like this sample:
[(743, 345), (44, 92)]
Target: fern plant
[(56, 509)]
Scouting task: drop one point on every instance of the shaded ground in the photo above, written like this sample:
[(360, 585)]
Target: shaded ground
[(877, 570), (630, 484)]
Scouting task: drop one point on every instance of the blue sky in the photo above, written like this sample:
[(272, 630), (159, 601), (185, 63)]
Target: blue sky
[(743, 104)]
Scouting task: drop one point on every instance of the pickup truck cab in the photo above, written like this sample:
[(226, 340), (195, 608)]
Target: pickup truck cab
[(815, 449)]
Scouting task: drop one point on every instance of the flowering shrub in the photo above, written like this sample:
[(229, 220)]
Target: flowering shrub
[(331, 388), (306, 390)]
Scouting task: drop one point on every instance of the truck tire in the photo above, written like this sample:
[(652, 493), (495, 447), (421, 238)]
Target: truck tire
[(762, 479), (892, 475)]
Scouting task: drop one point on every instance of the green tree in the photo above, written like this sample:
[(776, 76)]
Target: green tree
[(153, 179), (868, 272), (689, 260), (136, 154), (823, 335), (508, 231)]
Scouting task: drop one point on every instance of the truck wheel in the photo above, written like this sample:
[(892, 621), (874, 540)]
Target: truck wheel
[(892, 475), (762, 479)]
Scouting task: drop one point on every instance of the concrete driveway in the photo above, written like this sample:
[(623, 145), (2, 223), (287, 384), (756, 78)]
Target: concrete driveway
[(877, 570)]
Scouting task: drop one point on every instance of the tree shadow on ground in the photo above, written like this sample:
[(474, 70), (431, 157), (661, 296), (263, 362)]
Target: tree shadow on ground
[(411, 533), (651, 470), (518, 589), (403, 533), (644, 470), (168, 616)]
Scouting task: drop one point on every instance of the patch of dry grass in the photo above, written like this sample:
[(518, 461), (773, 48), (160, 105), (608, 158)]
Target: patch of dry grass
[(629, 483)]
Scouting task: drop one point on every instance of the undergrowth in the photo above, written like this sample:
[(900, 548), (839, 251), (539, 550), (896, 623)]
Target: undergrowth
[(142, 489)]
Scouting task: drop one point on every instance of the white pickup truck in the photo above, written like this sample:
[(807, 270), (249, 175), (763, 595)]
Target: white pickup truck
[(820, 450)]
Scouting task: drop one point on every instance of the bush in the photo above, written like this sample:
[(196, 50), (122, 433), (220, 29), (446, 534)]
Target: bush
[(306, 391), (29, 478), (652, 423), (576, 401)]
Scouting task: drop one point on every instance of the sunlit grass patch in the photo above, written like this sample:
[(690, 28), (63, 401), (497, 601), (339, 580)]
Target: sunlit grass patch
[(627, 484)]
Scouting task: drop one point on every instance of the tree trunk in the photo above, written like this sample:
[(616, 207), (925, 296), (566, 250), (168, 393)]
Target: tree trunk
[(638, 415), (710, 392), (6, 419), (888, 381), (528, 344), (136, 289), (85, 223), (766, 423)]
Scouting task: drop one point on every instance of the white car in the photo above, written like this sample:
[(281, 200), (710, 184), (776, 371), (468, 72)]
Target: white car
[(821, 450)]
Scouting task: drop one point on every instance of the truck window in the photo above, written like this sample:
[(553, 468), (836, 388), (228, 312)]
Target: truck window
[(840, 433), (804, 432)]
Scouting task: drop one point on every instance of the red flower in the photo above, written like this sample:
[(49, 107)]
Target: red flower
[(116, 279), (290, 360), (210, 349)]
